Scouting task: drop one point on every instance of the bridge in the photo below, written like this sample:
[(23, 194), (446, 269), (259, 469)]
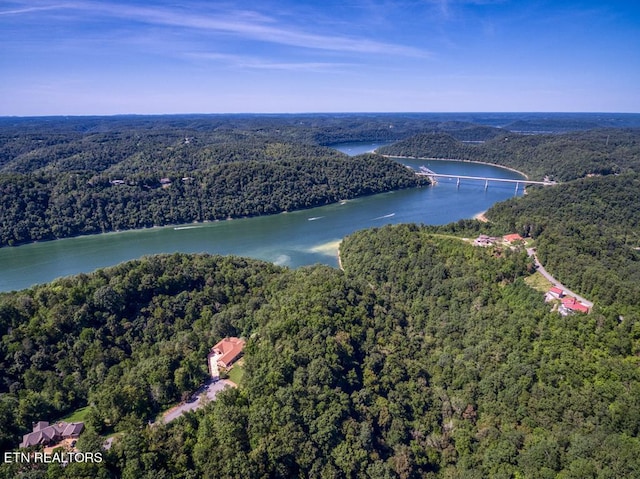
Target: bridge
[(432, 175)]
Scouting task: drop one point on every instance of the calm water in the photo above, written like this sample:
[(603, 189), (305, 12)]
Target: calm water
[(291, 239), (353, 148)]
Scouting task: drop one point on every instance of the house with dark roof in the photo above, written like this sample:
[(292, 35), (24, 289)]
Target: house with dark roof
[(225, 353), (484, 240), (45, 434)]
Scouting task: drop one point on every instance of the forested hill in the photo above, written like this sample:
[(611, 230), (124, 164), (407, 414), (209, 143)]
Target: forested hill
[(129, 339), (427, 357), (68, 184), (18, 135), (64, 177), (560, 157), (587, 234)]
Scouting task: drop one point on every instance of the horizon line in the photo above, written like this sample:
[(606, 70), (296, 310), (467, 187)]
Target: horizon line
[(306, 113)]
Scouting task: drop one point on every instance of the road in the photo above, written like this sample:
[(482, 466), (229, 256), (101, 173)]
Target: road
[(532, 253), (210, 390)]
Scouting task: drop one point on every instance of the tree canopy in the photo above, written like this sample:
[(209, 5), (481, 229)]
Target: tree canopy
[(138, 179), (561, 157), (587, 233), (426, 357)]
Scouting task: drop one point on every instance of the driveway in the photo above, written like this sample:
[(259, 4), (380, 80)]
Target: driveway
[(196, 401), (532, 252)]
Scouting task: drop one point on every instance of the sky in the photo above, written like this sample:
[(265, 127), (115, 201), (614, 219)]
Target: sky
[(107, 57)]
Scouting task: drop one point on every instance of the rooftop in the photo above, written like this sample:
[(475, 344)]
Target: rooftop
[(512, 237), (228, 350)]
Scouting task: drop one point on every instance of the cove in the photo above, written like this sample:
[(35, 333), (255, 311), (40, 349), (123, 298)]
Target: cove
[(292, 239)]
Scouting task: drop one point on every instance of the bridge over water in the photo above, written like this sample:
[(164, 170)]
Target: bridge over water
[(432, 175)]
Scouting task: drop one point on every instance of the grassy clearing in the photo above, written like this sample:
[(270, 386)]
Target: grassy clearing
[(538, 282), (237, 372), (79, 415)]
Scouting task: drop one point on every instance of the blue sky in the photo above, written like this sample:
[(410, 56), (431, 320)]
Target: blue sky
[(169, 56)]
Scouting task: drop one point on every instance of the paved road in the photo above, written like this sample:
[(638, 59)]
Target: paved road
[(532, 252), (210, 390)]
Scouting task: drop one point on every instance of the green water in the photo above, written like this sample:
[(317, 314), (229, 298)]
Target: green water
[(290, 239)]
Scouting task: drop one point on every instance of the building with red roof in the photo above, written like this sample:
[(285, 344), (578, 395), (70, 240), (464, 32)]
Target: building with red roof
[(571, 305), (554, 293), (225, 353), (557, 291), (512, 237)]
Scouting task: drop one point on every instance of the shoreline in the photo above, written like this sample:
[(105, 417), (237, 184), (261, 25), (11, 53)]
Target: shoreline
[(526, 177), (85, 244), (481, 217), (203, 223), (199, 223)]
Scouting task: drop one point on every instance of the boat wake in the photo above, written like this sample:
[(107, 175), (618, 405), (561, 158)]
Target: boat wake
[(390, 215), (315, 218), (177, 228)]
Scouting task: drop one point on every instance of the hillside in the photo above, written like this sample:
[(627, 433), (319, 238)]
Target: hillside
[(427, 357), (57, 184), (587, 233), (561, 157), (62, 177)]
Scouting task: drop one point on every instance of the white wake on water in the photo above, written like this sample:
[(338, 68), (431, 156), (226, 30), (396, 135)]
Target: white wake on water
[(177, 228), (390, 215)]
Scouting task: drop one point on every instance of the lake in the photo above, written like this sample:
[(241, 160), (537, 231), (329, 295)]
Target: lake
[(291, 239)]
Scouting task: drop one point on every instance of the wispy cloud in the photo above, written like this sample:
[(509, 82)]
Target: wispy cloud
[(241, 24), (249, 25), (254, 63), (25, 10)]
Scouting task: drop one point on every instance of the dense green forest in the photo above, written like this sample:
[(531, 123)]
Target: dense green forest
[(21, 134), (426, 357), (129, 339), (116, 183), (62, 177), (587, 233), (560, 157), (66, 176), (68, 144), (47, 206)]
